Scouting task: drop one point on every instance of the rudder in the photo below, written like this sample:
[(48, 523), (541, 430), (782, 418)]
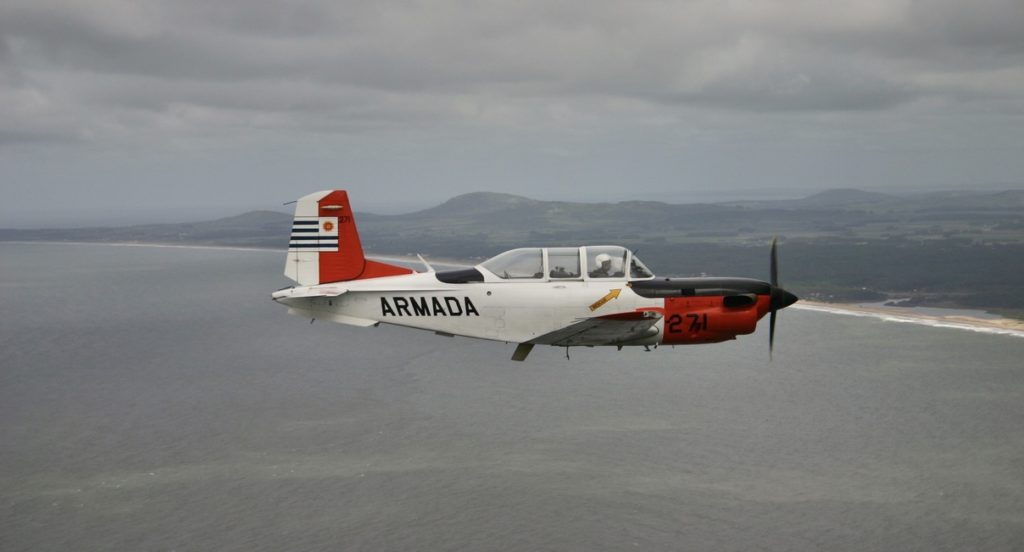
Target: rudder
[(324, 245)]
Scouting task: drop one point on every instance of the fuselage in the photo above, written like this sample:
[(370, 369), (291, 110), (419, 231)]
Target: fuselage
[(503, 311), (479, 303), (566, 296)]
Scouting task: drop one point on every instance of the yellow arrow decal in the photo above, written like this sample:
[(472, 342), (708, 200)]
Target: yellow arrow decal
[(600, 302)]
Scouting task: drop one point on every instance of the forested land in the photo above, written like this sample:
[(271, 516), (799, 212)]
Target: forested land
[(941, 249)]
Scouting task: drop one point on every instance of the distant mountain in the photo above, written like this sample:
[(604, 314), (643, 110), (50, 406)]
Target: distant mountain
[(943, 248), (848, 199), (476, 203), (482, 221), (255, 229), (479, 222), (845, 198), (961, 201)]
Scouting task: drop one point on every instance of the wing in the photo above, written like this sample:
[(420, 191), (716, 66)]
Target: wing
[(613, 329)]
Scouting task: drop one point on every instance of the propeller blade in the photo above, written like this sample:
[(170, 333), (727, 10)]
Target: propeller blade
[(775, 263), (778, 296)]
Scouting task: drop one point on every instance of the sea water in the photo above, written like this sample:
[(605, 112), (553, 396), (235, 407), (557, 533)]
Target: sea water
[(157, 399)]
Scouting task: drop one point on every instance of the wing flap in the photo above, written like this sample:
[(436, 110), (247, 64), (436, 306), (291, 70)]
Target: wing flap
[(615, 329)]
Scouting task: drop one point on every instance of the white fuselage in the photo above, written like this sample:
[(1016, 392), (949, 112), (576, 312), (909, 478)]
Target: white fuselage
[(591, 295), (509, 311)]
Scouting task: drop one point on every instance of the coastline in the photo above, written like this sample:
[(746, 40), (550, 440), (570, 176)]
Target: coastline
[(1000, 326), (411, 259), (995, 325)]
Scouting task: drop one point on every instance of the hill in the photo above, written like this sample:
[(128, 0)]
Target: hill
[(252, 229), (946, 248)]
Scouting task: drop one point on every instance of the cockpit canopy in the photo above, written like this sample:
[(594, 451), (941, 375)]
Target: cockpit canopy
[(566, 263)]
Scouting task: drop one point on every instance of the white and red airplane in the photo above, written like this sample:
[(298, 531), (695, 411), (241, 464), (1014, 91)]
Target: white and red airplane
[(561, 296)]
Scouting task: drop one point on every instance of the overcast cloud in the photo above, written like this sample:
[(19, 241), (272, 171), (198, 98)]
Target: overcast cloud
[(149, 107)]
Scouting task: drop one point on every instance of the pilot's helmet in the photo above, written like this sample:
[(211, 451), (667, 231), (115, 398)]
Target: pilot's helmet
[(603, 258)]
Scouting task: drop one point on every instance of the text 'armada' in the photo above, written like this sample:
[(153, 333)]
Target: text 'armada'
[(427, 306)]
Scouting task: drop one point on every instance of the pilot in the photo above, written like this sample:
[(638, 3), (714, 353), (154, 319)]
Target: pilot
[(604, 266)]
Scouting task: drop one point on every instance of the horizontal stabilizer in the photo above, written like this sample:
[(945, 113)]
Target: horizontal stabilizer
[(333, 317), (309, 291)]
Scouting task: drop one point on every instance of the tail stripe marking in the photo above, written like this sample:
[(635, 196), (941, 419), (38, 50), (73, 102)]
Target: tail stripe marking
[(314, 234)]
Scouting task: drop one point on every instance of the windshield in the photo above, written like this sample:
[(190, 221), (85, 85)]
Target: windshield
[(637, 269)]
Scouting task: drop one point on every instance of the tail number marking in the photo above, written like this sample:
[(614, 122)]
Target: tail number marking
[(698, 322)]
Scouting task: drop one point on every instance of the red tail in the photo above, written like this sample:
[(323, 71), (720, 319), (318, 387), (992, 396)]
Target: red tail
[(324, 245)]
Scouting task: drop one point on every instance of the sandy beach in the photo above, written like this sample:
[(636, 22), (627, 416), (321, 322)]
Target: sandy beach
[(1004, 326)]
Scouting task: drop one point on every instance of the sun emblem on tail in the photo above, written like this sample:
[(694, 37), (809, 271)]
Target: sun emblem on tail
[(328, 226)]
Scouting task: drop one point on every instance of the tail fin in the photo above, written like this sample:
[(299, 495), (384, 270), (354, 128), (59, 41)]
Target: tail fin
[(324, 245)]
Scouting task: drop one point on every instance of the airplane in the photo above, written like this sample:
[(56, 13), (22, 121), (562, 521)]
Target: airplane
[(561, 296)]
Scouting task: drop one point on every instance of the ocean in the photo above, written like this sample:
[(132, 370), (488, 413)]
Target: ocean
[(157, 399)]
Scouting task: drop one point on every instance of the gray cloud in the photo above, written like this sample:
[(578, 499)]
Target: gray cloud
[(791, 55), (414, 78)]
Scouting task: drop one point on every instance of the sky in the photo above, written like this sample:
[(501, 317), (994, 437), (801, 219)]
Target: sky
[(149, 110)]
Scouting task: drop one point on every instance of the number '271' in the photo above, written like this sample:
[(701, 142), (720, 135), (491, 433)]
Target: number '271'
[(698, 322)]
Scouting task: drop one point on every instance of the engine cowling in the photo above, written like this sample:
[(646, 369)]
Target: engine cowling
[(710, 319)]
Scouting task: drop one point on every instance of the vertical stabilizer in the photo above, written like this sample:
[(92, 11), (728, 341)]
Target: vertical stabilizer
[(324, 244)]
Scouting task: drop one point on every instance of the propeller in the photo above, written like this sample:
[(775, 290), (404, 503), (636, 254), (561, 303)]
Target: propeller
[(780, 298)]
